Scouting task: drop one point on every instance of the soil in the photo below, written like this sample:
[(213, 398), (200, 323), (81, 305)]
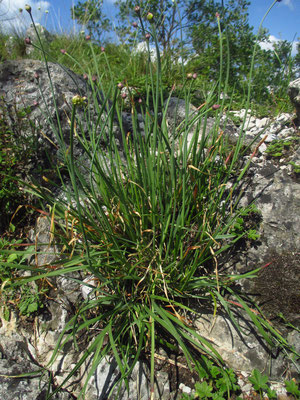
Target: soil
[(277, 287)]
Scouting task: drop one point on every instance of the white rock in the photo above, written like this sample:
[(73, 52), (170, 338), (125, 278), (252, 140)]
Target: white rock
[(283, 118), (185, 389), (261, 123), (270, 138), (285, 133), (88, 286), (262, 148)]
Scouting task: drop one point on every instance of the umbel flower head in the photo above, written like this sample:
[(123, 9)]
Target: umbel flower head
[(78, 100)]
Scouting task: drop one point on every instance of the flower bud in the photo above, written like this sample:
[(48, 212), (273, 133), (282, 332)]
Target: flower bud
[(217, 15), (63, 51), (36, 75), (28, 8), (147, 36), (189, 75), (135, 24), (150, 17), (27, 40), (195, 75), (88, 37), (20, 10), (137, 9), (123, 95), (85, 77), (216, 106), (102, 49), (94, 78), (120, 85)]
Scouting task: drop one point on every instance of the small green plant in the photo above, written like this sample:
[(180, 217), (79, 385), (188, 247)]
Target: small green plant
[(246, 223), (26, 299), (292, 387), (260, 384), (279, 148), (16, 150), (296, 167), (216, 383)]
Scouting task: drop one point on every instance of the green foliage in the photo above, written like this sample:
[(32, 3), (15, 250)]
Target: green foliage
[(143, 219), (89, 14), (166, 18), (258, 380), (15, 152), (26, 299), (246, 223), (216, 383), (220, 384), (279, 148), (293, 388), (238, 41), (296, 167), (260, 384)]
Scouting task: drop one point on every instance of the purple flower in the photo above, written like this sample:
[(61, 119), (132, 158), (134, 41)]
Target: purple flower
[(147, 36), (63, 51), (216, 106), (194, 75), (102, 49), (123, 95), (27, 40), (120, 85)]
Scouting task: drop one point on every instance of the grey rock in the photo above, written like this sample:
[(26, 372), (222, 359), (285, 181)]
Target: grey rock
[(278, 198), (241, 350), (41, 236), (16, 359), (107, 374), (25, 84), (43, 33), (177, 113), (294, 93)]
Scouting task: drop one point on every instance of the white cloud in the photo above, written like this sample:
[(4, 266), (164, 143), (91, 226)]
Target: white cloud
[(14, 21), (272, 40), (288, 3)]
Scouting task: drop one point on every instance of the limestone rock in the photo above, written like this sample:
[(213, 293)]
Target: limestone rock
[(24, 84), (294, 93), (44, 35)]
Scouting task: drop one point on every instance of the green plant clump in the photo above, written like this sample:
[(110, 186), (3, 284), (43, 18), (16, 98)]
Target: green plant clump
[(147, 221), (280, 147), (216, 383)]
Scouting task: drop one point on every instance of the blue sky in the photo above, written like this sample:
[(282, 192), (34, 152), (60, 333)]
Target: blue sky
[(283, 21)]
